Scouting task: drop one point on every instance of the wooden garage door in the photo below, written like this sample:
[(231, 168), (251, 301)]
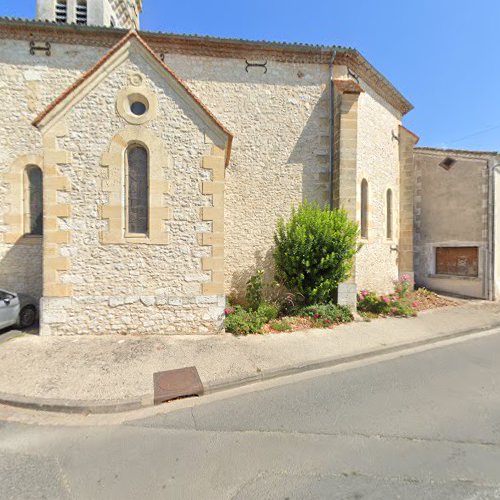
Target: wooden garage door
[(457, 261)]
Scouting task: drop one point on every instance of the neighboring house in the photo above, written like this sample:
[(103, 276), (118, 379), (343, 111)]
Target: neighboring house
[(456, 222), (142, 176)]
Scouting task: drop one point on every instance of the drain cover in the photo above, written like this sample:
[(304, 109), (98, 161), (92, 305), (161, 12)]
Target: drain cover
[(177, 384)]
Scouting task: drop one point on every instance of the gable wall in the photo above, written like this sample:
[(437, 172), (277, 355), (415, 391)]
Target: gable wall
[(130, 287)]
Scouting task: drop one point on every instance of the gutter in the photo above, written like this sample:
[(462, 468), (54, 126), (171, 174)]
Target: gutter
[(332, 130)]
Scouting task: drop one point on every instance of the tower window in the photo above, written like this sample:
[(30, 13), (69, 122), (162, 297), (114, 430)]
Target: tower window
[(137, 190), (81, 12), (62, 11), (33, 201)]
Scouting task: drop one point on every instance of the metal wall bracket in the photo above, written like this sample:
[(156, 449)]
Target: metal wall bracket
[(34, 48), (394, 136), (256, 65), (352, 75)]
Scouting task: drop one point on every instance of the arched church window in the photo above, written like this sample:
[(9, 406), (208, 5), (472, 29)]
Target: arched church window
[(137, 190), (33, 201), (364, 208), (81, 12), (389, 215), (61, 11)]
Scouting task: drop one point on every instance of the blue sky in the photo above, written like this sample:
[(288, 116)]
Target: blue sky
[(436, 52)]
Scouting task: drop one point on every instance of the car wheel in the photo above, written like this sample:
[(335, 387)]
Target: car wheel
[(27, 317)]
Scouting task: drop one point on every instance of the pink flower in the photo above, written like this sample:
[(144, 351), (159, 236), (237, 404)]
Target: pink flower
[(387, 300), (415, 304), (228, 311)]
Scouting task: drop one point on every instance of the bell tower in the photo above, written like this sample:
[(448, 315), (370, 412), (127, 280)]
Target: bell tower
[(114, 13)]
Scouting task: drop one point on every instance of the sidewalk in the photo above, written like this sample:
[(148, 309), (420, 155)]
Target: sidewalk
[(115, 373)]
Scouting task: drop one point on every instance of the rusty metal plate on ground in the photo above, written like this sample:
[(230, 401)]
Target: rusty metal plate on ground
[(176, 384)]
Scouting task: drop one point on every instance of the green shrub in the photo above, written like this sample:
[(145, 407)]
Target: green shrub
[(255, 288), (281, 325), (267, 312), (314, 251), (324, 315), (242, 321), (391, 305)]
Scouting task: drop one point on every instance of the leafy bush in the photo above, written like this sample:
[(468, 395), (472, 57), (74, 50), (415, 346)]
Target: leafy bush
[(267, 312), (314, 251), (255, 288), (282, 325), (325, 315), (242, 321)]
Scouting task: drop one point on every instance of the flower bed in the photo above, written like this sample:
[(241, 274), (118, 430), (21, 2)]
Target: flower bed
[(404, 302), (266, 319)]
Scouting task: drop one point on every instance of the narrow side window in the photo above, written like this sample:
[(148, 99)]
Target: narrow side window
[(33, 201), (137, 190), (389, 215), (364, 208)]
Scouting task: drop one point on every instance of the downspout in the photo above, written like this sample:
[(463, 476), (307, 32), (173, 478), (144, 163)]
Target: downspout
[(332, 129), (492, 169)]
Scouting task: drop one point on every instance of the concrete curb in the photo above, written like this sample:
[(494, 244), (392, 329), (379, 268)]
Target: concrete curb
[(5, 337), (120, 406)]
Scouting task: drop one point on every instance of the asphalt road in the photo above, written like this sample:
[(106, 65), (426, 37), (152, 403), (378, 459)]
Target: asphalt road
[(425, 426)]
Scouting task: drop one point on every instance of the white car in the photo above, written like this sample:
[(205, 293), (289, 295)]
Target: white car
[(17, 309)]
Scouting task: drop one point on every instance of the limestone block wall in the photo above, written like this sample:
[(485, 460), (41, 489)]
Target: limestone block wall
[(441, 219), (28, 84), (280, 120), (378, 163), (107, 285)]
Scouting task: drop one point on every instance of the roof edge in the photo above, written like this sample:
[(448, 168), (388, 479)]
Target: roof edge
[(427, 149), (214, 47)]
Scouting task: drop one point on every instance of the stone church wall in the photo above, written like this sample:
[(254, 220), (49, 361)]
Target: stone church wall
[(138, 288), (378, 163), (280, 121)]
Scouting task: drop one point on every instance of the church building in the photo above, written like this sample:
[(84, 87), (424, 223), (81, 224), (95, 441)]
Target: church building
[(142, 174)]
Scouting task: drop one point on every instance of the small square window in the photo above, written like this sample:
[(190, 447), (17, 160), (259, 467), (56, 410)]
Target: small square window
[(447, 163)]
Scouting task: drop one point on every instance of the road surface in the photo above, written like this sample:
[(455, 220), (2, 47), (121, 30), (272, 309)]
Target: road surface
[(423, 426)]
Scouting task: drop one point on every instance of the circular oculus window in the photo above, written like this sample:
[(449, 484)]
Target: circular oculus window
[(138, 108), (138, 104)]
